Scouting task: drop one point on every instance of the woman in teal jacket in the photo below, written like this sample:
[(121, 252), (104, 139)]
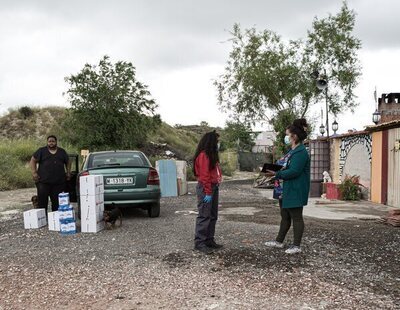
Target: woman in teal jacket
[(296, 187)]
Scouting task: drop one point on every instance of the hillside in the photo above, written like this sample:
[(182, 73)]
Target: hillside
[(38, 123), (34, 123)]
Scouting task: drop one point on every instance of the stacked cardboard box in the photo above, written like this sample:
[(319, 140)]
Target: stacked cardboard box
[(92, 203), (35, 218), (66, 215), (54, 221)]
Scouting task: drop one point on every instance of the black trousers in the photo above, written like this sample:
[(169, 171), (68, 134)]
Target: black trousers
[(44, 191), (208, 216), (289, 215)]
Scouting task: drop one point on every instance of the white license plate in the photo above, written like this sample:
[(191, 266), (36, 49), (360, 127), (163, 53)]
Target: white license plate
[(113, 181)]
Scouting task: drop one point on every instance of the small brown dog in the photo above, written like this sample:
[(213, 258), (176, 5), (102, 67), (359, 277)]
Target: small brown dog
[(35, 201), (111, 217)]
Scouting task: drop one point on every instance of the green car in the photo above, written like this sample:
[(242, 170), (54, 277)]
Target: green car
[(129, 179)]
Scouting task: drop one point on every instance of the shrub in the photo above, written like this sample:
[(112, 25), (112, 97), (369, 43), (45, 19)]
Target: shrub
[(26, 112), (351, 188), (228, 161), (14, 173)]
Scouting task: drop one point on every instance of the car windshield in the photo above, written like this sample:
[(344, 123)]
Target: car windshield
[(130, 159)]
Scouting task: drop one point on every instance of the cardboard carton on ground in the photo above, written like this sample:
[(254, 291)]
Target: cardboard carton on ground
[(91, 185), (35, 218), (91, 225), (54, 221), (66, 215), (92, 217), (68, 227), (89, 211), (92, 199)]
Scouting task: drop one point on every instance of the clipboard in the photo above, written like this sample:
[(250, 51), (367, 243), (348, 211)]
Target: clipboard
[(271, 167)]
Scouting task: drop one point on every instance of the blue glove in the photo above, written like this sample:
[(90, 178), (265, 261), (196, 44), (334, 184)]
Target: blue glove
[(207, 198)]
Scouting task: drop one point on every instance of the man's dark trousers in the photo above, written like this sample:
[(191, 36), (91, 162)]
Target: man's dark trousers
[(46, 190), (208, 216)]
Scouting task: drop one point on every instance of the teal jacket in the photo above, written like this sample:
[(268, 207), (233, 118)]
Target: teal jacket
[(296, 179)]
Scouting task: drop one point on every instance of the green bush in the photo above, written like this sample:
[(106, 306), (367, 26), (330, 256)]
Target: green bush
[(14, 173), (190, 174), (350, 188), (26, 112), (228, 161)]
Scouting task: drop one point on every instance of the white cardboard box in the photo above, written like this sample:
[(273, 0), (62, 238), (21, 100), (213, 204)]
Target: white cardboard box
[(68, 227), (35, 218), (92, 217), (63, 199), (54, 221), (90, 185), (66, 215), (91, 199), (92, 226), (92, 211)]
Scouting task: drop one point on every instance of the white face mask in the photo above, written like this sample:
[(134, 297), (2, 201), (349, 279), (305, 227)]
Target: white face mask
[(218, 145), (287, 140)]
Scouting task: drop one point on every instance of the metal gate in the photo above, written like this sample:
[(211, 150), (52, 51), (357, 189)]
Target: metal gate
[(393, 198), (252, 161), (320, 162)]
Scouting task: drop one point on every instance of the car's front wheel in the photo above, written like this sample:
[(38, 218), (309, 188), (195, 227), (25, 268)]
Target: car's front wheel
[(154, 210)]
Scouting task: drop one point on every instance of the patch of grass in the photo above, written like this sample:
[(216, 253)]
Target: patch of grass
[(14, 165), (228, 161)]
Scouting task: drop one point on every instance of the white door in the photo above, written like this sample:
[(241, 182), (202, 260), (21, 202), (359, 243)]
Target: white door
[(393, 169)]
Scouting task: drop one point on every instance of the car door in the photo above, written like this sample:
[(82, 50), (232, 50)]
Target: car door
[(71, 184)]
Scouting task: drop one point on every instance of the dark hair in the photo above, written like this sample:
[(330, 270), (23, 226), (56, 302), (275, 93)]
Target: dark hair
[(300, 122), (208, 144), (297, 128), (51, 136)]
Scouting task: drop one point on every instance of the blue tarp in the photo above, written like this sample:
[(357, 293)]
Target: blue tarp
[(168, 178)]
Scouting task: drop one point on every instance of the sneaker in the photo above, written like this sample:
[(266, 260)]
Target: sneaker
[(293, 250), (212, 244), (274, 244), (204, 249)]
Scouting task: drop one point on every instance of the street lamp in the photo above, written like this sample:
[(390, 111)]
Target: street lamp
[(335, 127), (376, 117), (321, 82), (322, 129)]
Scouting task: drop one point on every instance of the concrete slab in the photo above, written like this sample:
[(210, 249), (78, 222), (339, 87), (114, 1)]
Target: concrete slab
[(339, 210)]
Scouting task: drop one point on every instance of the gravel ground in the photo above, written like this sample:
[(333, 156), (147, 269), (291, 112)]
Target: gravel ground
[(149, 263)]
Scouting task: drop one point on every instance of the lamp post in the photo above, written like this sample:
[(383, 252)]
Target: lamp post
[(322, 129), (322, 84), (335, 127), (376, 117)]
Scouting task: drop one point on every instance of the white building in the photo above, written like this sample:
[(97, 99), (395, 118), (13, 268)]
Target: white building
[(264, 142)]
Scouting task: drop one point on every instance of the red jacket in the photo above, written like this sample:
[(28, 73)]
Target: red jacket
[(206, 176)]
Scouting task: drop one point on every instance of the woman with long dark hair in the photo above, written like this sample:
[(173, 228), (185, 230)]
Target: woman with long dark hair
[(208, 173), (296, 187)]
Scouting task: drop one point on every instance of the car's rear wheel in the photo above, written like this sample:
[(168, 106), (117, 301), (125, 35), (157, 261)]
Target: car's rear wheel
[(154, 210)]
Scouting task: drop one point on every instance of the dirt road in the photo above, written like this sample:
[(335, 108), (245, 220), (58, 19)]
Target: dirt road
[(150, 264)]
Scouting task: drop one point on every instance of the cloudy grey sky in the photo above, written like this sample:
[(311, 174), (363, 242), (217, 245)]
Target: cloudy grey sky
[(177, 46)]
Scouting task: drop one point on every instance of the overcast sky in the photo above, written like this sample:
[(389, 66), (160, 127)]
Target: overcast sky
[(178, 47)]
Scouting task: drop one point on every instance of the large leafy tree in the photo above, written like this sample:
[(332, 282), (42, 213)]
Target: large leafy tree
[(110, 108), (237, 132), (269, 78)]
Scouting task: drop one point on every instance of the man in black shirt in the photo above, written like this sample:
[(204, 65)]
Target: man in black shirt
[(50, 176)]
